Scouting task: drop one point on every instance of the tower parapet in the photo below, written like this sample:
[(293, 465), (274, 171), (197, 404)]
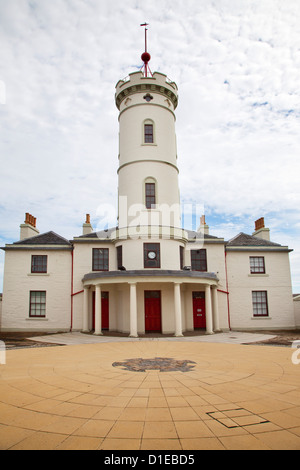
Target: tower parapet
[(138, 83)]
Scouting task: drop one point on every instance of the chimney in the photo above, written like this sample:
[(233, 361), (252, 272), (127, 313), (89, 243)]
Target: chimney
[(87, 226), (204, 228), (28, 228), (260, 230)]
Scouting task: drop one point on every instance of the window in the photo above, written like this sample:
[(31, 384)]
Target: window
[(150, 195), (37, 304), (100, 259), (151, 255), (119, 256), (198, 260), (181, 256), (260, 303), (148, 134), (39, 264), (257, 265)]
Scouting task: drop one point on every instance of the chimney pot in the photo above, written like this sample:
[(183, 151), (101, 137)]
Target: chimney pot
[(28, 229), (88, 219), (260, 223)]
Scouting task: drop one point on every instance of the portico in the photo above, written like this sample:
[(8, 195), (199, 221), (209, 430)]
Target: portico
[(172, 291)]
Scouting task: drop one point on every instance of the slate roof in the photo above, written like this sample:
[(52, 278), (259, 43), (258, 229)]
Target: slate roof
[(242, 239), (106, 234), (48, 238), (102, 234), (194, 235)]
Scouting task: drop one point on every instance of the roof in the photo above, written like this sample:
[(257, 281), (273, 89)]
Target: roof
[(48, 238), (101, 234), (242, 239), (151, 273), (106, 235), (192, 235)]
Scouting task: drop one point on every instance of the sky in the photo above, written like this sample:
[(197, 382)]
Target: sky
[(237, 67)]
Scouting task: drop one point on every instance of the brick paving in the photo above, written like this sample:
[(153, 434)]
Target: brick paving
[(234, 397)]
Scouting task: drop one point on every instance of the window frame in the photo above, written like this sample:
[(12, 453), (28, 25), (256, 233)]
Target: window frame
[(181, 256), (104, 266), (43, 265), (255, 266), (148, 133), (195, 261), (31, 303), (119, 256), (148, 263), (260, 304), (150, 197)]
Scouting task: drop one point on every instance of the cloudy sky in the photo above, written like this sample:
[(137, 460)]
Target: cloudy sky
[(237, 67)]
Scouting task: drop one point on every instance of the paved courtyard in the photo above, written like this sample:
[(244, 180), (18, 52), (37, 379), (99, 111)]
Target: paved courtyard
[(175, 395)]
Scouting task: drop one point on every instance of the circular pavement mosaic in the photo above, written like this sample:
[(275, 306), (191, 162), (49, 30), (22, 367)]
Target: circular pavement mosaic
[(163, 364)]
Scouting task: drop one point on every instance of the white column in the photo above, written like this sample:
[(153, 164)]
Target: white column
[(98, 311), (133, 311), (208, 311), (177, 303), (216, 320), (85, 319)]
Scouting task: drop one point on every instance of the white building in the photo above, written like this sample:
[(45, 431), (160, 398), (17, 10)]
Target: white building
[(147, 274)]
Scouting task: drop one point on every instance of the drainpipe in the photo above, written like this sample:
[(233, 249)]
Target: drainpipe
[(72, 272), (227, 289), (72, 287)]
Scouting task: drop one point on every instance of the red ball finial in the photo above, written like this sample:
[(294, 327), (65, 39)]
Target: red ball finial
[(146, 57)]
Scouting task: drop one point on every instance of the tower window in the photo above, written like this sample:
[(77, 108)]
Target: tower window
[(148, 134), (150, 195), (181, 256), (151, 255), (148, 97), (120, 256)]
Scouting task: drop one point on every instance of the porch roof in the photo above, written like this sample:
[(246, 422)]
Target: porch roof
[(150, 275)]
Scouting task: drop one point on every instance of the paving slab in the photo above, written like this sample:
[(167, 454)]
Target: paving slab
[(235, 396), (82, 338)]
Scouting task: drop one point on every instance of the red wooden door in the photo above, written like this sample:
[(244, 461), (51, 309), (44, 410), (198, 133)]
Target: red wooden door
[(104, 310), (199, 310), (152, 311)]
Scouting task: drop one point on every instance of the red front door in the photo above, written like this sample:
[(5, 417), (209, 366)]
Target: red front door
[(199, 309), (104, 310), (152, 311)]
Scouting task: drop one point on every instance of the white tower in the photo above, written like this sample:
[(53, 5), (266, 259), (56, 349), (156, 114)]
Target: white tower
[(149, 201)]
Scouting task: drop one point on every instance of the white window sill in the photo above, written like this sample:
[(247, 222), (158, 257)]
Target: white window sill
[(258, 275), (38, 274), (261, 318), (36, 319)]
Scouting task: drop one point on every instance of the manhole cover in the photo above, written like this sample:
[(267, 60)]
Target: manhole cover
[(163, 364)]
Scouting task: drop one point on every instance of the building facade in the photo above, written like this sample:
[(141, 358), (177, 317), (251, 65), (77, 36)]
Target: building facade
[(147, 274)]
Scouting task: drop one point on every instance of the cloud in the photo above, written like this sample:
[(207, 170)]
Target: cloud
[(236, 65)]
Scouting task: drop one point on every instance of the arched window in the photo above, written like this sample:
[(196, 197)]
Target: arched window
[(148, 132), (150, 193)]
